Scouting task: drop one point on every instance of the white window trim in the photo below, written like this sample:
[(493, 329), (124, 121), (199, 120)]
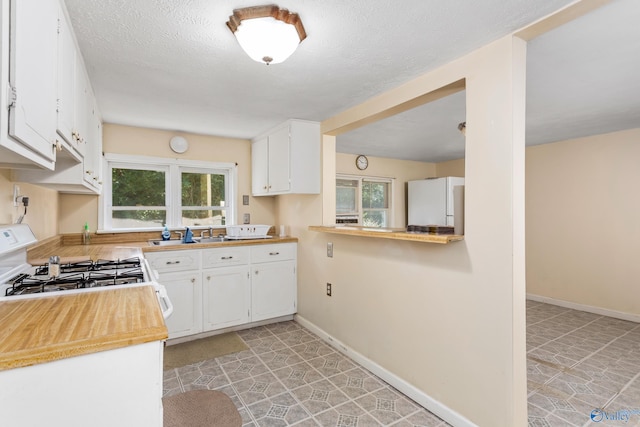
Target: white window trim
[(173, 169)]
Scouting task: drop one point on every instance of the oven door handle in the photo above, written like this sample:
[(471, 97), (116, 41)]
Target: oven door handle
[(163, 298)]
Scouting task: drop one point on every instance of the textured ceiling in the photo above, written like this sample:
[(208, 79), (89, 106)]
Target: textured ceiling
[(173, 64)]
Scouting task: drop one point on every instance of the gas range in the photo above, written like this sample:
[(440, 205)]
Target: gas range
[(19, 279), (77, 275)]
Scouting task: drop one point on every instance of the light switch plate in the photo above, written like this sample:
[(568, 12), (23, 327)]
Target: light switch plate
[(330, 249), (245, 200), (246, 218)]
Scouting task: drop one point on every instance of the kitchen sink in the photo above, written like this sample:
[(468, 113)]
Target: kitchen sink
[(175, 242), (211, 239)]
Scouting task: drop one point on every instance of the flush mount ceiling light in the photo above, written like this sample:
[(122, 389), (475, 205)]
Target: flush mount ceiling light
[(267, 34)]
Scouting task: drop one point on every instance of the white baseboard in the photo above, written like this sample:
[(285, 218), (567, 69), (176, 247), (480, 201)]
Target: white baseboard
[(588, 308), (426, 401)]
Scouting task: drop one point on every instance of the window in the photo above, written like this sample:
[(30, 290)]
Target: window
[(144, 193), (375, 203), (363, 200)]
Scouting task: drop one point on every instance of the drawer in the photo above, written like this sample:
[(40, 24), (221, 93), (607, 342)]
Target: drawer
[(275, 252), (222, 257), (173, 260)]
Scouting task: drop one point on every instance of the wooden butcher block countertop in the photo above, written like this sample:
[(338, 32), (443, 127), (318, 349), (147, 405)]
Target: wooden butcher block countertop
[(44, 329)]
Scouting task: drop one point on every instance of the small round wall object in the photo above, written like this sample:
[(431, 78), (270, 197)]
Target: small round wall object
[(179, 144), (362, 162)]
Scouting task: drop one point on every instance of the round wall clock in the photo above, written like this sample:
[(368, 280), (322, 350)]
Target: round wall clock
[(362, 162), (178, 144)]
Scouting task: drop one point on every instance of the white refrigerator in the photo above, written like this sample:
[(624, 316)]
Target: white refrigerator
[(437, 201)]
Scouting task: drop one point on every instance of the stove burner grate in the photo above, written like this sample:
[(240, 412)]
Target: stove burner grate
[(79, 275), (88, 265)]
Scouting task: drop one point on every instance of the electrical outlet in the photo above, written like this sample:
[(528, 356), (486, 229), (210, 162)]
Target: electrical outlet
[(330, 249), (328, 289), (246, 218)]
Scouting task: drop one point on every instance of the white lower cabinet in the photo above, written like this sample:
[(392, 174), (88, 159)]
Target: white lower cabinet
[(185, 292), (179, 272), (217, 288), (226, 294), (273, 281)]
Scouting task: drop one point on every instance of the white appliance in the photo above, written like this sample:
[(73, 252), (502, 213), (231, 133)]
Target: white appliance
[(437, 201), (19, 279)]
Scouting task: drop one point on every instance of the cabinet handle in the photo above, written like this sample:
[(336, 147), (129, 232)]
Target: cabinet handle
[(208, 277), (274, 253), (193, 280), (173, 262), (264, 188), (257, 272), (226, 257), (57, 146)]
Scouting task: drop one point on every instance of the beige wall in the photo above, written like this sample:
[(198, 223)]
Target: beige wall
[(401, 170), (450, 168), (76, 209), (42, 212), (583, 212), (449, 320)]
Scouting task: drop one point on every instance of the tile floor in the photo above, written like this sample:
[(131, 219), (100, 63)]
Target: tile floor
[(577, 363), (288, 376), (580, 362)]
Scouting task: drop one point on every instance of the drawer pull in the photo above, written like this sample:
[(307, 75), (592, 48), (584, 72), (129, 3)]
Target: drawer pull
[(274, 253), (227, 257), (173, 262)]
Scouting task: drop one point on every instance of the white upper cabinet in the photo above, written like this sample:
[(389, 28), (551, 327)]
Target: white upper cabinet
[(29, 48), (286, 160), (66, 79), (259, 166), (76, 128)]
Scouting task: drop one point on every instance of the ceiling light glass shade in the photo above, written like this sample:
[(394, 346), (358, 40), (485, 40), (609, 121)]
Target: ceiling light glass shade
[(267, 34), (267, 40)]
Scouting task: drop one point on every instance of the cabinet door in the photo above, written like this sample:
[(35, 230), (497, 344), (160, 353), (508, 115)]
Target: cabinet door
[(279, 158), (273, 290), (185, 293), (93, 147), (83, 100), (66, 80), (259, 170), (32, 119), (226, 297)]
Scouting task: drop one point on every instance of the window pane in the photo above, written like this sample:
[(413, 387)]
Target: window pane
[(138, 218), (134, 187), (374, 218), (203, 217), (200, 189), (375, 195), (345, 200)]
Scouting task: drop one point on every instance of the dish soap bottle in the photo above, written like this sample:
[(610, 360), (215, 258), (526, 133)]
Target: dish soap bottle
[(166, 235), (86, 235)]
